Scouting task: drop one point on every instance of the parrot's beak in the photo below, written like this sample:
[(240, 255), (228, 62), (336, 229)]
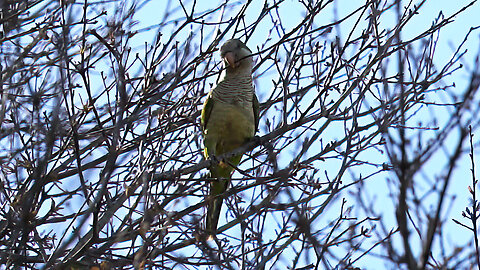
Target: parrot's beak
[(230, 58)]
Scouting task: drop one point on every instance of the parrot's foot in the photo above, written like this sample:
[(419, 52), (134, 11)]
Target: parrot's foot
[(217, 161)]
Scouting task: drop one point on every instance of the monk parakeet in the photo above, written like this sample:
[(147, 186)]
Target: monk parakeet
[(229, 119)]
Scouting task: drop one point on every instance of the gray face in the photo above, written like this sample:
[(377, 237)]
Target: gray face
[(234, 52)]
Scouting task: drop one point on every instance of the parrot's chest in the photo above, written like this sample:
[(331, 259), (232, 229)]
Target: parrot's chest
[(231, 123)]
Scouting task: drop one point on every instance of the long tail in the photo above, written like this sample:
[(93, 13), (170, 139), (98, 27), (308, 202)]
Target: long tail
[(217, 188), (213, 214), (222, 175)]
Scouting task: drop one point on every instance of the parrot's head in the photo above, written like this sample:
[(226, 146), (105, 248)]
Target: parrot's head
[(236, 56)]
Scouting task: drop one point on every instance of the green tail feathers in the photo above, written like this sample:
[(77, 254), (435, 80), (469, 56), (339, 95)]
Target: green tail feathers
[(221, 175), (213, 214), (217, 188)]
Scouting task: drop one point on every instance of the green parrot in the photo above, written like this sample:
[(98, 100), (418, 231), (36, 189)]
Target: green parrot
[(229, 119)]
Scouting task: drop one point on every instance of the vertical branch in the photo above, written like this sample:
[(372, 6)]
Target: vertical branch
[(475, 204), (403, 165)]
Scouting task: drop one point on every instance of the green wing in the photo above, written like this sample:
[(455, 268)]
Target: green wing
[(206, 111)]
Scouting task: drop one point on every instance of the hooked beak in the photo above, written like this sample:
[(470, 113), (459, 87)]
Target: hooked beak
[(230, 59)]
